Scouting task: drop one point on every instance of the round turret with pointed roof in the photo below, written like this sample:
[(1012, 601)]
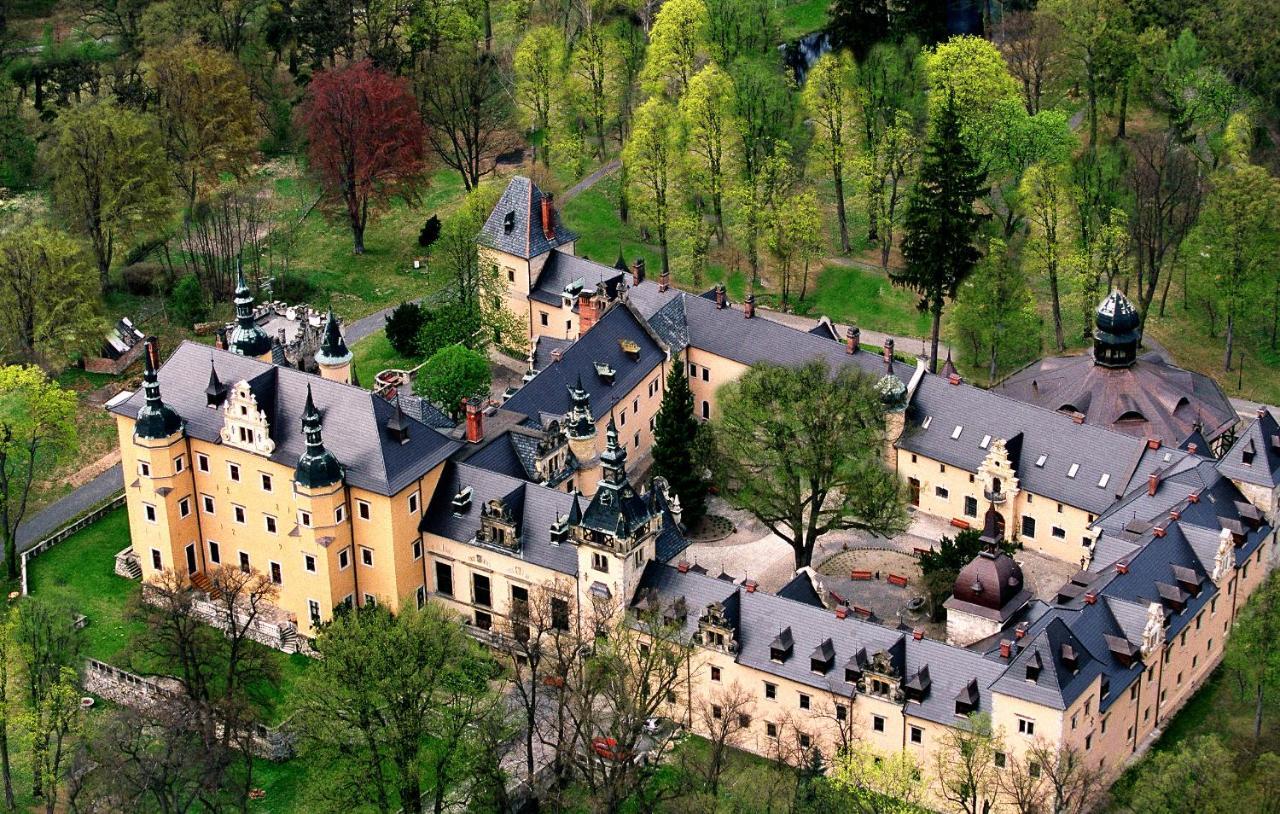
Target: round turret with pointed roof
[(317, 467), (333, 348), (247, 338), (155, 419)]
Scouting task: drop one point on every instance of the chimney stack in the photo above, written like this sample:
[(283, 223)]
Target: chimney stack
[(751, 586), (917, 634), (1006, 648), (220, 338), (852, 340), (664, 280), (1262, 411), (637, 271), (1153, 483), (749, 310), (721, 300), (548, 216), (475, 421), (888, 353), (587, 311)]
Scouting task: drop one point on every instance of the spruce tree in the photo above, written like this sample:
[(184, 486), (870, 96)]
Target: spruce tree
[(675, 436), (941, 223)]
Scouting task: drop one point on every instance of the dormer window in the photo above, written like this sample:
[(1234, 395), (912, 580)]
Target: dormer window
[(780, 649), (967, 699), (1247, 454), (1034, 666), (823, 657), (462, 501), (244, 424), (1070, 659), (509, 221), (560, 530), (606, 372)]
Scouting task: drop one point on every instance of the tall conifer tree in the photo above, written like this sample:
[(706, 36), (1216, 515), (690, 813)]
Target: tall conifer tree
[(941, 222), (675, 439)]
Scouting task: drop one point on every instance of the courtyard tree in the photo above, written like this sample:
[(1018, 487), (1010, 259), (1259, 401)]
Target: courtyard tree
[(37, 429), (724, 714), (110, 177), (389, 713), (828, 96), (1052, 777), (675, 441), (941, 222), (539, 74), (800, 448), (49, 290), (452, 374), (650, 156), (995, 313), (706, 111), (206, 114), (466, 107), (366, 139)]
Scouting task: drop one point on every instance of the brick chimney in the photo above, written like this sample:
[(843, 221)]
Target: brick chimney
[(1153, 483), (751, 586), (475, 421), (852, 340), (637, 271), (917, 634), (842, 612), (664, 280), (1006, 648), (721, 298), (749, 309), (548, 216), (683, 566), (588, 310), (220, 338)]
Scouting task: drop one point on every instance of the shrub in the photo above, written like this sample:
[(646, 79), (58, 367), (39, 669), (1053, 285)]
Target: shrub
[(403, 324), (188, 304), (447, 325)]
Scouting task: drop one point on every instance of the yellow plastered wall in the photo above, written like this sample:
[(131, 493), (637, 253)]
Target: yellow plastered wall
[(504, 573)]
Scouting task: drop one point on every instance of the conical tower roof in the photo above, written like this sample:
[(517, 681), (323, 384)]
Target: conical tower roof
[(247, 338), (333, 348), (317, 467), (155, 419)]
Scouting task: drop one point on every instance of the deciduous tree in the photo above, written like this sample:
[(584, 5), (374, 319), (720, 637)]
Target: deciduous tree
[(49, 290), (828, 96), (1252, 652), (706, 111), (801, 451), (1046, 195), (674, 46), (995, 314), (941, 222), (48, 644), (466, 107), (1196, 775), (37, 428), (964, 765), (454, 373), (1089, 28), (1029, 42), (539, 64), (650, 156), (366, 139), (110, 177)]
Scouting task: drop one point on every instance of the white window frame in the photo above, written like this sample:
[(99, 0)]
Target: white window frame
[(270, 523), (304, 518), (208, 505), (413, 503), (184, 506), (339, 515), (272, 568), (233, 471), (309, 563), (144, 469), (215, 552), (363, 510), (366, 556), (239, 514), (266, 481), (202, 462), (180, 464), (344, 559), (149, 512)]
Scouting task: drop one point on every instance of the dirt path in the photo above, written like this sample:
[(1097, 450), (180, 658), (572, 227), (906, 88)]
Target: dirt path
[(590, 181)]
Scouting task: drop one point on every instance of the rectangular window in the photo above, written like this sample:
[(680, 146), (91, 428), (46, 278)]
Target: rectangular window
[(207, 503), (706, 374), (706, 410), (770, 690), (277, 575), (622, 417), (771, 729), (244, 562), (877, 723), (941, 492), (362, 509), (693, 370), (970, 506), (304, 518), (149, 512), (999, 760), (266, 481), (635, 442), (179, 464), (237, 513), (842, 712), (480, 593), (805, 740), (417, 549), (215, 553), (559, 613), (313, 610), (917, 735), (366, 556), (1028, 526), (1059, 533), (202, 462), (715, 673), (339, 515), (1027, 727), (599, 562), (635, 405), (309, 563), (184, 507), (542, 317), (421, 595), (483, 620), (444, 579), (804, 701), (717, 711), (370, 601), (344, 559), (270, 523), (233, 471), (144, 469), (413, 503), (155, 559)]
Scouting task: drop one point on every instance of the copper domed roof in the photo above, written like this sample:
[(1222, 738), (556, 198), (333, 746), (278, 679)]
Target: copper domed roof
[(991, 580)]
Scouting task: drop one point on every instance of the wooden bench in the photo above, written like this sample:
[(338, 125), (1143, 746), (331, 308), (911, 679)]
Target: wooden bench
[(837, 598), (860, 575), (960, 522), (895, 579), (920, 552)]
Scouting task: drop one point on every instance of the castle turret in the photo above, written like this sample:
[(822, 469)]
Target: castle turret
[(334, 358), (1117, 332), (317, 467), (156, 420), (247, 338)]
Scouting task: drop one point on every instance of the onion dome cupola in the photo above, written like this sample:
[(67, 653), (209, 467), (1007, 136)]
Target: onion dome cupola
[(580, 424), (1117, 332), (247, 338), (155, 419), (317, 467), (333, 348)]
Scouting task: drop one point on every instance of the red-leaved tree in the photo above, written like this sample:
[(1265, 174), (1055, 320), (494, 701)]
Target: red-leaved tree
[(367, 142)]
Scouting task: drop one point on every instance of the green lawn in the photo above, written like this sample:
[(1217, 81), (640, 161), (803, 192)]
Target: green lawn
[(865, 297), (374, 353), (800, 18)]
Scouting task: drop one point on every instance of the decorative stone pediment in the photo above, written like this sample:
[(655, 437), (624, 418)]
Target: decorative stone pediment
[(996, 473), (1153, 632), (244, 423), (1225, 560), (498, 526), (715, 630)]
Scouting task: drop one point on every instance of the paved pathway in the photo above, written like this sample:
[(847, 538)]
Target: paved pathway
[(903, 344), (365, 326), (590, 181), (69, 507)]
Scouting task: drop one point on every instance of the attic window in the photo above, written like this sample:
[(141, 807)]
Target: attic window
[(1069, 658), (560, 529), (1034, 666), (509, 221), (780, 649), (823, 657), (924, 425), (1071, 473), (462, 501), (630, 348), (606, 372), (1102, 481), (956, 432), (985, 442), (1040, 461), (1246, 454)]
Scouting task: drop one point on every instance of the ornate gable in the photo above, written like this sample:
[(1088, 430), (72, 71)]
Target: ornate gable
[(245, 425)]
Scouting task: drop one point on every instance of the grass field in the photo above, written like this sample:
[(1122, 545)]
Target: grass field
[(374, 353), (799, 18)]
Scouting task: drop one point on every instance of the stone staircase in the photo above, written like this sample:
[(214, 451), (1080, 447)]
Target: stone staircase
[(127, 564), (200, 581)]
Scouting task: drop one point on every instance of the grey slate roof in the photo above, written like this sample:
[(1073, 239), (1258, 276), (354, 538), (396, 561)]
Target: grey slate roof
[(669, 322), (525, 238), (548, 392), (543, 349), (1062, 442), (353, 420), (426, 412), (535, 507), (563, 270), (1056, 685), (1261, 439)]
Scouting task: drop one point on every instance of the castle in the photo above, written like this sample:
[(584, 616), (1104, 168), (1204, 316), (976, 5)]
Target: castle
[(343, 496)]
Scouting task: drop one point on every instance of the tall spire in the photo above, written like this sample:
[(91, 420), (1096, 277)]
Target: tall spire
[(316, 466), (155, 418), (614, 457), (581, 423), (333, 349), (247, 338)]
